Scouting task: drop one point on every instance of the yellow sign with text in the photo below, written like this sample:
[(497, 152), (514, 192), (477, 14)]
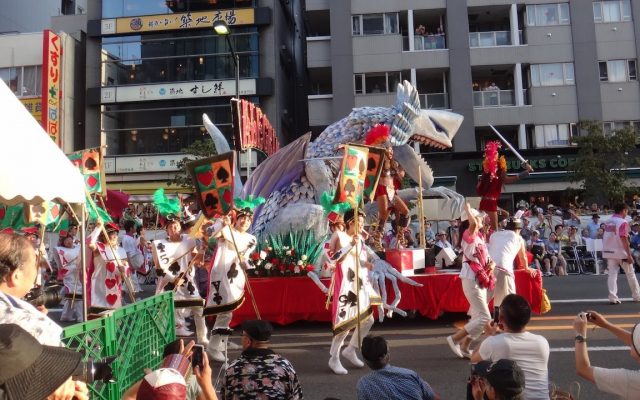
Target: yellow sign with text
[(183, 21), (34, 106)]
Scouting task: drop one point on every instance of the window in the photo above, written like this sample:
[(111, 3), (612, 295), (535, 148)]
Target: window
[(375, 24), (552, 74), (617, 70), (611, 11), (548, 14), (23, 81), (609, 127), (554, 135), (378, 82)]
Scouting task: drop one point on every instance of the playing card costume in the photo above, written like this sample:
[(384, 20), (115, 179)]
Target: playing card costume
[(173, 260), (70, 273), (346, 298), (227, 277), (106, 280)]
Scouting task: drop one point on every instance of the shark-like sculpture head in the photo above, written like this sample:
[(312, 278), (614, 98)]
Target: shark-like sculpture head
[(436, 128)]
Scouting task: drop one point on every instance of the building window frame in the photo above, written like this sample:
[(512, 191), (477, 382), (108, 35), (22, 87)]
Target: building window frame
[(554, 135), (603, 11), (609, 127), (630, 70), (360, 86), (536, 11), (18, 73), (537, 79), (390, 24)]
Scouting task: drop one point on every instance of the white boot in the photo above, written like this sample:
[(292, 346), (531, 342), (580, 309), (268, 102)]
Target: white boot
[(182, 330), (213, 348), (349, 353), (201, 329), (336, 366)]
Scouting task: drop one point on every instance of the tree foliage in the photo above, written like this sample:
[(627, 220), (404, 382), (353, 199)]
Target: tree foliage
[(195, 151), (602, 161)]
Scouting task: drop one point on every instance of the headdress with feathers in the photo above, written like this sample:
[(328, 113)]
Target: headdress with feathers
[(333, 211), (377, 135), (168, 208), (248, 204), (492, 162)]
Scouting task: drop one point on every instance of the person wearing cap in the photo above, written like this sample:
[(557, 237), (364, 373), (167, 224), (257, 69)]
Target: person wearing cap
[(386, 381), (617, 252), (593, 226), (18, 272), (134, 254), (501, 380), (109, 268), (554, 249), (346, 308), (439, 246), (336, 222), (70, 273), (477, 277), (233, 244), (32, 371), (575, 238), (624, 383), (514, 342), (504, 248), (541, 258), (175, 268), (259, 373)]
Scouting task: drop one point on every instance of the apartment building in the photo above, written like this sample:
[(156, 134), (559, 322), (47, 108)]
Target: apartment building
[(531, 68)]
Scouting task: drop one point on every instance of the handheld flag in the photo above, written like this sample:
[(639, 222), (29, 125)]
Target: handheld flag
[(89, 163), (213, 178)]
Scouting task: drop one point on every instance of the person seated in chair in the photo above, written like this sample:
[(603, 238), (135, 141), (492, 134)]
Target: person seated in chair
[(444, 258), (540, 256)]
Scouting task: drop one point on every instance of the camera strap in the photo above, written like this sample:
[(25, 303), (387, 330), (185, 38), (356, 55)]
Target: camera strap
[(13, 302)]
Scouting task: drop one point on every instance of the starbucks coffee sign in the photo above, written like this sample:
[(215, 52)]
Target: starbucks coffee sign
[(515, 165)]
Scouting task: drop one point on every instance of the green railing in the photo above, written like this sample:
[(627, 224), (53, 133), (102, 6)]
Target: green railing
[(136, 335)]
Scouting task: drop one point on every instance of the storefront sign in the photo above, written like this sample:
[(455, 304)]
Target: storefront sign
[(560, 163), (173, 91), (254, 131), (34, 106), (183, 21), (134, 164), (51, 75)]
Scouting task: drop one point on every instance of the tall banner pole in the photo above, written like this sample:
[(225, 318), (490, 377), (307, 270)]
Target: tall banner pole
[(423, 239), (357, 281), (83, 260)]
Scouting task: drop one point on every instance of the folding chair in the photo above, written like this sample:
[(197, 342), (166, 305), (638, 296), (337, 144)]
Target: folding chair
[(587, 261), (572, 257)]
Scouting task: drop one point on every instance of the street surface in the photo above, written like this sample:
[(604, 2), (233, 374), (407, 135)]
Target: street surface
[(418, 343)]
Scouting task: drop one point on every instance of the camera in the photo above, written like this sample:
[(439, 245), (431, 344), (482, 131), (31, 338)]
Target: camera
[(92, 371), (585, 315), (49, 296)]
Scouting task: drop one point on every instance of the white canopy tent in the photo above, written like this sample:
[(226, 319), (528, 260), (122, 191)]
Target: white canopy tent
[(32, 167)]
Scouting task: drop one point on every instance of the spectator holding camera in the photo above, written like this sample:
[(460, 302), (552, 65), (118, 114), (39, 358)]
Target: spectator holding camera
[(18, 272), (621, 382), (31, 371)]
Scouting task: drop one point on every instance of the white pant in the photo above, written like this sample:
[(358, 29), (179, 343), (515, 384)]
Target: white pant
[(505, 285), (612, 281), (338, 340), (70, 313), (223, 320), (478, 308)]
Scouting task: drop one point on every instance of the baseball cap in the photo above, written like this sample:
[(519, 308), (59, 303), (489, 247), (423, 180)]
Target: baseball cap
[(31, 230), (31, 371), (442, 233), (595, 216), (474, 213), (505, 376), (162, 384), (258, 329)]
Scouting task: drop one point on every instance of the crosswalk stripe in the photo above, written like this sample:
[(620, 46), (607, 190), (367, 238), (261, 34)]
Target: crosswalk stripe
[(605, 300), (572, 317), (595, 348)]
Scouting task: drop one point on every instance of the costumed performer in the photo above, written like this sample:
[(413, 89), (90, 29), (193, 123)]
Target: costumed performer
[(388, 185), (227, 277), (106, 278), (176, 259), (505, 246), (70, 273), (130, 244), (477, 278), (348, 250), (494, 176)]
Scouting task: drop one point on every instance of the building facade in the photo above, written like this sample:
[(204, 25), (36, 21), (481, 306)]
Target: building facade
[(531, 68), (154, 68)]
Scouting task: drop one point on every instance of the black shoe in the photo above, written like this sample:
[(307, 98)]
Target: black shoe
[(616, 302)]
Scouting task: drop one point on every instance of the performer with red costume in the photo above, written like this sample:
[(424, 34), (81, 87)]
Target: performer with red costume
[(70, 273), (390, 182), (494, 176), (106, 279)]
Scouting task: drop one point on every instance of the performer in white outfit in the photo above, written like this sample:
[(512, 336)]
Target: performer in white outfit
[(227, 277), (477, 277), (327, 265), (348, 303), (130, 245), (504, 247), (175, 260), (108, 269), (70, 273), (615, 249)]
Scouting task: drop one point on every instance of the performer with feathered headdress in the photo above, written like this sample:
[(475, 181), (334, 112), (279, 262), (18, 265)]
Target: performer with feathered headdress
[(494, 176), (390, 181), (233, 245)]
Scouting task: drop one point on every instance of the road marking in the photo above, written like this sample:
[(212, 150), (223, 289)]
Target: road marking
[(566, 327), (587, 300), (596, 348), (572, 317)]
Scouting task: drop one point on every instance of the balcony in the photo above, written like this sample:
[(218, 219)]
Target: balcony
[(494, 98), (491, 39), (435, 101), (427, 42)]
